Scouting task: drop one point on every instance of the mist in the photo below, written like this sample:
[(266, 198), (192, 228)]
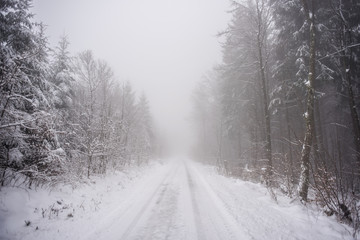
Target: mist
[(181, 119), (162, 47)]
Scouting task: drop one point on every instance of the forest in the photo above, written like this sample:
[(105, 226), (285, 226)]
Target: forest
[(63, 117), (280, 109), (283, 106)]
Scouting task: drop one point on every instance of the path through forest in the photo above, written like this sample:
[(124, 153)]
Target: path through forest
[(176, 200), (187, 201)]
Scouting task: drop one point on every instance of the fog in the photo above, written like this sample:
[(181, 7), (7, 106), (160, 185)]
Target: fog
[(150, 126), (162, 47)]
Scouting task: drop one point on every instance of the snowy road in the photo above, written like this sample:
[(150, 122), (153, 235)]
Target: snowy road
[(175, 204), (184, 201), (177, 200)]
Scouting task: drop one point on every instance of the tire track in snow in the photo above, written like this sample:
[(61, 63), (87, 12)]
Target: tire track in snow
[(159, 191), (213, 221), (194, 204), (121, 222), (162, 222)]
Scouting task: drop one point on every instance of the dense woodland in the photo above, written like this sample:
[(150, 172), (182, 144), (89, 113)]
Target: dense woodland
[(282, 107), (63, 117)]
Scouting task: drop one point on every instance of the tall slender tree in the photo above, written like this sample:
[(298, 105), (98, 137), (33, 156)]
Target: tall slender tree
[(308, 8)]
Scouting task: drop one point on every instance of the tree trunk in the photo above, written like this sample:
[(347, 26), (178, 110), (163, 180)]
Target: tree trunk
[(355, 122), (291, 161), (260, 45), (309, 114)]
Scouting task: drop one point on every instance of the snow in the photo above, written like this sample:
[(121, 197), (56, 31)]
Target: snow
[(177, 200), (15, 156)]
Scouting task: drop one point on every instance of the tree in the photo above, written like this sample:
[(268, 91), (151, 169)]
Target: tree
[(62, 96), (127, 119), (308, 8), (105, 76), (201, 117), (88, 84), (61, 76), (143, 139), (245, 79), (64, 119), (263, 23), (28, 142)]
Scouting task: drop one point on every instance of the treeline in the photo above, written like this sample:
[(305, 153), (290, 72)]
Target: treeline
[(283, 105), (62, 118)]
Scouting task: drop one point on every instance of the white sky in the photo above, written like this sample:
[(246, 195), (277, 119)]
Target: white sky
[(162, 46)]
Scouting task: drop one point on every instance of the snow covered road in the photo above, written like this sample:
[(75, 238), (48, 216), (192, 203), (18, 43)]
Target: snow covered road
[(176, 204), (183, 200), (187, 201)]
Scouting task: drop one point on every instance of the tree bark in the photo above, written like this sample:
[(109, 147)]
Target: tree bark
[(309, 114), (291, 161)]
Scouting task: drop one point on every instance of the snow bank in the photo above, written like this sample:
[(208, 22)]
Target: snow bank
[(58, 214), (262, 218)]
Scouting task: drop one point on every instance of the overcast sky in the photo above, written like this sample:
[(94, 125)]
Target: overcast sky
[(161, 46)]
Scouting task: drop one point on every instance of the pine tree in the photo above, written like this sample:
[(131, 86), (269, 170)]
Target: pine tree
[(28, 141)]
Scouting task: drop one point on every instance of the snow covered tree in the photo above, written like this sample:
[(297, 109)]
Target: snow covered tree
[(61, 118), (87, 106), (127, 119), (28, 142), (105, 75), (61, 76), (62, 96), (143, 136)]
